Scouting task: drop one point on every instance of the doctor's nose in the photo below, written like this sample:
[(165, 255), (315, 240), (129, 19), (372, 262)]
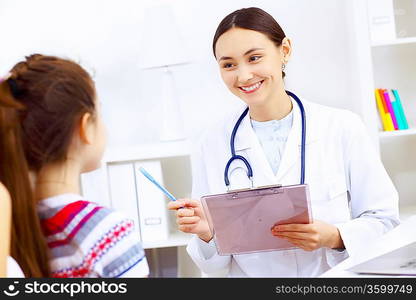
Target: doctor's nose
[(244, 75)]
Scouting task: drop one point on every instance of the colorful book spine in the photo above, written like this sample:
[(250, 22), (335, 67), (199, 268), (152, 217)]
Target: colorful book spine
[(390, 108), (390, 124), (398, 101), (384, 113), (396, 110), (381, 111)]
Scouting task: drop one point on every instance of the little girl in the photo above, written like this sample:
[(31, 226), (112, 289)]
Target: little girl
[(63, 136)]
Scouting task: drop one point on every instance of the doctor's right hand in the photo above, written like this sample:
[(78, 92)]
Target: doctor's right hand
[(190, 218)]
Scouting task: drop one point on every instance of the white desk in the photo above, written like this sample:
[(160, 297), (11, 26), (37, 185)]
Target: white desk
[(403, 234)]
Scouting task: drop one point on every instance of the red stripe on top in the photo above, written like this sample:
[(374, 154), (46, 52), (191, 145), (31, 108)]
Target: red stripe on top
[(70, 236), (62, 218), (95, 253)]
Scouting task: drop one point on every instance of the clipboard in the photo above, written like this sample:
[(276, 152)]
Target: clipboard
[(241, 220)]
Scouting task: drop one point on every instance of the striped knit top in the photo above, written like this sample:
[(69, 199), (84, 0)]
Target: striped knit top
[(89, 240)]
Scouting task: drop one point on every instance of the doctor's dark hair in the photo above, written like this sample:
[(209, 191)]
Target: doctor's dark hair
[(251, 18), (41, 104)]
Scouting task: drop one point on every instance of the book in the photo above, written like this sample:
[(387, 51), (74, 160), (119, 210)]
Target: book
[(389, 122), (396, 110), (384, 113), (390, 108), (400, 109), (381, 111)]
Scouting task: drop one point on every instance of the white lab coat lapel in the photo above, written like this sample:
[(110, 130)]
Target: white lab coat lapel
[(248, 145), (291, 153)]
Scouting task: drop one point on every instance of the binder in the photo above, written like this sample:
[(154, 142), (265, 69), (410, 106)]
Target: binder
[(388, 119), (91, 186), (241, 220), (381, 20), (151, 202), (122, 188)]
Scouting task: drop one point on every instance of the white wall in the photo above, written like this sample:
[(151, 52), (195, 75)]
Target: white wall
[(104, 36)]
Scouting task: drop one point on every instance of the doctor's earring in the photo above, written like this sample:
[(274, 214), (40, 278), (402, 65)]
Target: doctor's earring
[(283, 66)]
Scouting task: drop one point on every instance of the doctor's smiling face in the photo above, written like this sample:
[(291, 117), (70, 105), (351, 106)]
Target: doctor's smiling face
[(251, 64)]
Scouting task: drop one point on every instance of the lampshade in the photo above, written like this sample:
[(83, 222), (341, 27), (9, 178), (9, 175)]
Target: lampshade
[(172, 121), (161, 43), (162, 48)]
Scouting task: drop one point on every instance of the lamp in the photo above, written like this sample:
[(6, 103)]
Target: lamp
[(163, 48)]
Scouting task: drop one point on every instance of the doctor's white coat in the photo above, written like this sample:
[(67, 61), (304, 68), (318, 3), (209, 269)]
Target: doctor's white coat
[(348, 185)]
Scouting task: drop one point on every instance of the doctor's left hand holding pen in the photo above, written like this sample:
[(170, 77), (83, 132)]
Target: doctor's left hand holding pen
[(189, 213)]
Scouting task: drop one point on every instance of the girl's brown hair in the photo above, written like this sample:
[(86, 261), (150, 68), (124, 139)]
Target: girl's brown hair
[(40, 105), (251, 18)]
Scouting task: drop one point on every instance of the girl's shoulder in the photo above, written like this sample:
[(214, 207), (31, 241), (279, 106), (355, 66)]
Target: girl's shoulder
[(86, 239)]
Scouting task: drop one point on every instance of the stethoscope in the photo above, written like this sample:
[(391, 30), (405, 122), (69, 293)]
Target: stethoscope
[(245, 161)]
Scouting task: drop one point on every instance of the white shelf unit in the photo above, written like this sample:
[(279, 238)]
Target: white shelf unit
[(175, 239), (393, 66), (392, 134), (407, 211), (147, 151), (174, 158), (398, 41)]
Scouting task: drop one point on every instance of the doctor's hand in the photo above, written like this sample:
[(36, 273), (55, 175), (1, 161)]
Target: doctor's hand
[(190, 218), (310, 237)]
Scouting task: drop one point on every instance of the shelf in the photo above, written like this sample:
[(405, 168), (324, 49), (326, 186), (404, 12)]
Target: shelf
[(387, 134), (407, 211), (175, 239), (397, 41), (147, 151)]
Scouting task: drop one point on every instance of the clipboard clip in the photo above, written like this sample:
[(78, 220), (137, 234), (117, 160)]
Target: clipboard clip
[(277, 186)]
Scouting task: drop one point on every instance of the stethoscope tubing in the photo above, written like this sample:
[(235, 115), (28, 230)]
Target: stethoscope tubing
[(245, 161)]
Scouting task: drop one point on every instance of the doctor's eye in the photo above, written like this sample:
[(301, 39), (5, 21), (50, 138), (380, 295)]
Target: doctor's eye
[(254, 58), (227, 65)]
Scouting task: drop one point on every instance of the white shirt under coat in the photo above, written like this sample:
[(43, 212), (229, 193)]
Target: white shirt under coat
[(349, 187)]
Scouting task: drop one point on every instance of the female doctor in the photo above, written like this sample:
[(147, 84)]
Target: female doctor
[(353, 200)]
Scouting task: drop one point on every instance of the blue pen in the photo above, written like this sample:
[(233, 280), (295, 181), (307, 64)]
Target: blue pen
[(165, 191)]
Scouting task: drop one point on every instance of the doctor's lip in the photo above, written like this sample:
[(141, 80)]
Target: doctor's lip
[(248, 89)]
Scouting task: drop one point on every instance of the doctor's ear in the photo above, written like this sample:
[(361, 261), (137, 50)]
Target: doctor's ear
[(286, 50)]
